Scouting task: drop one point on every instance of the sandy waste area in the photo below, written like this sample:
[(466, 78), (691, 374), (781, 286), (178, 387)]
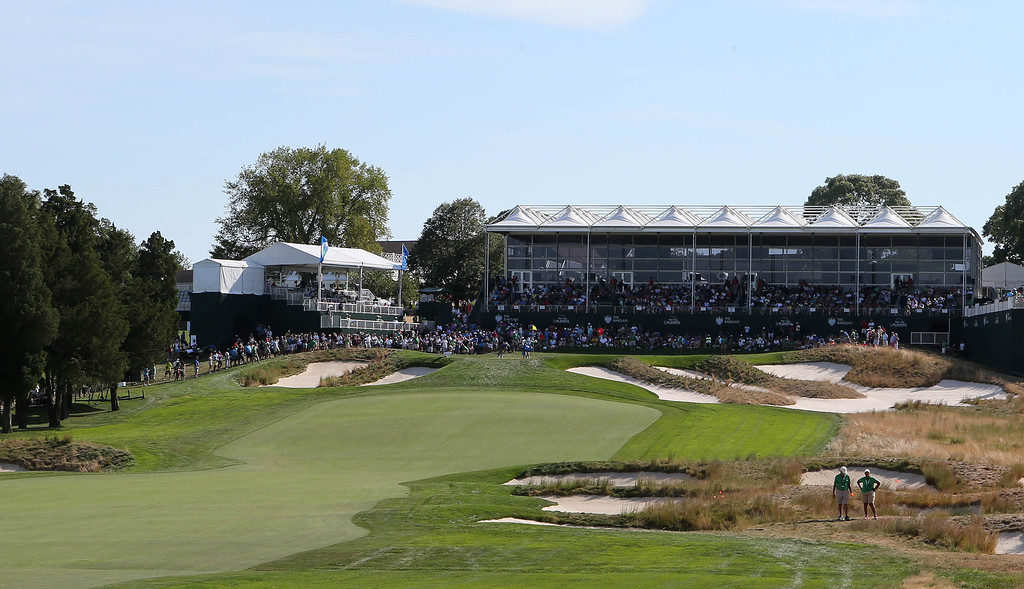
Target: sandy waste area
[(704, 376), (310, 378), (890, 479), (402, 375), (947, 392), (601, 504), (615, 479), (1012, 543), (664, 393)]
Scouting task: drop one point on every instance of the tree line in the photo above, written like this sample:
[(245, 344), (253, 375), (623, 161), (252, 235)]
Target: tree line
[(81, 302)]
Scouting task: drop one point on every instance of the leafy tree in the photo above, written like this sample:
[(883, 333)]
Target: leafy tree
[(450, 250), (28, 319), (92, 323), (858, 190), (1005, 228), (298, 195)]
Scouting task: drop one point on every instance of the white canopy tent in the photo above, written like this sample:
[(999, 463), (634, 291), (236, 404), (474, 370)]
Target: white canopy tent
[(227, 277), (1004, 275), (248, 276)]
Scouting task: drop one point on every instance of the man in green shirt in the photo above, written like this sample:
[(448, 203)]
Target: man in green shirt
[(867, 485), (841, 490)]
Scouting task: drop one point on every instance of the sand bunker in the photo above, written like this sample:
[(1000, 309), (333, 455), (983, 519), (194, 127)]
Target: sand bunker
[(403, 375), (310, 378), (517, 520), (1012, 543), (890, 479), (665, 393), (705, 376), (947, 392), (8, 467), (615, 479), (601, 504)]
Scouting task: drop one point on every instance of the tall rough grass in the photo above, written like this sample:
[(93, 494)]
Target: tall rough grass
[(62, 453), (939, 529), (934, 433), (730, 368)]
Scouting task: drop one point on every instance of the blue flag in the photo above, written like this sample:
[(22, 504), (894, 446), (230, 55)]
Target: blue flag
[(323, 249), (405, 258)]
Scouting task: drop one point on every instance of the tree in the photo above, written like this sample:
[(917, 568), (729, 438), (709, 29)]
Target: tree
[(92, 323), (1005, 228), (858, 190), (383, 284), (29, 320), (299, 195), (450, 250)]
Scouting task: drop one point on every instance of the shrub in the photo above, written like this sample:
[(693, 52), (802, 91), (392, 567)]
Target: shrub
[(937, 528), (941, 476)]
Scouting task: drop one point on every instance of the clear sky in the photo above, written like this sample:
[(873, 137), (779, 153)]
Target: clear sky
[(147, 108)]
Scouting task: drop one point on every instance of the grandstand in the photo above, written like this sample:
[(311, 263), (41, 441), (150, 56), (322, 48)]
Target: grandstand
[(230, 298), (674, 267)]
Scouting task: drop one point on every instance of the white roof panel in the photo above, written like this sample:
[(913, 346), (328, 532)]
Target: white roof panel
[(300, 256), (521, 217), (675, 217), (834, 218), (623, 217), (779, 218), (886, 218), (940, 218), (572, 217), (727, 217)]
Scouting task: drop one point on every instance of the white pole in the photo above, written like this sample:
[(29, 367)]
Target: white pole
[(400, 292), (586, 272), (360, 282), (319, 284)]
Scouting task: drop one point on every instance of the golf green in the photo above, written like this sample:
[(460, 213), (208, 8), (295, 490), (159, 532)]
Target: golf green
[(299, 482)]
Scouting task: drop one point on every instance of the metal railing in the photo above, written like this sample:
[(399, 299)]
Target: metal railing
[(1014, 302), (339, 322), (731, 309)]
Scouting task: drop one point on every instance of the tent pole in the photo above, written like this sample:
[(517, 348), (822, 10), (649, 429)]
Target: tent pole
[(586, 273), (400, 292), (360, 282), (319, 284), (487, 270)]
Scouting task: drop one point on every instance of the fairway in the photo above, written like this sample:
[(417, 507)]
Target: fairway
[(303, 479)]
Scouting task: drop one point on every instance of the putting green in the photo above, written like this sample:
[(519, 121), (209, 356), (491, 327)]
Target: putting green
[(300, 482)]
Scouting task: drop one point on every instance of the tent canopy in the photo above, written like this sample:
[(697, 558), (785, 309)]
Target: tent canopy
[(298, 257), (1003, 275), (227, 276)]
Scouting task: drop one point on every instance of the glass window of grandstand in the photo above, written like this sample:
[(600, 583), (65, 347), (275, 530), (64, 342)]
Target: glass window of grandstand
[(788, 260)]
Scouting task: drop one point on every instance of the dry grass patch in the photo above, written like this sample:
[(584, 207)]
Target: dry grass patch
[(732, 369), (938, 529), (890, 368), (934, 433), (726, 394), (62, 453)]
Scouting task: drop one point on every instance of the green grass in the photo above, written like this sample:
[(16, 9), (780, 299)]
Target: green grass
[(228, 478)]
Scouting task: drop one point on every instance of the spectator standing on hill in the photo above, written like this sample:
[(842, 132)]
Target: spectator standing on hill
[(841, 490), (868, 484)]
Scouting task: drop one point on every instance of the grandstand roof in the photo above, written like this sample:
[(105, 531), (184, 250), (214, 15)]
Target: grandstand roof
[(667, 218)]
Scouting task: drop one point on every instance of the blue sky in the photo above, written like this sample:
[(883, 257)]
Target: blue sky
[(147, 108)]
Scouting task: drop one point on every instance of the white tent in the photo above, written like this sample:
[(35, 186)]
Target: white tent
[(227, 276), (1004, 275), (298, 257)]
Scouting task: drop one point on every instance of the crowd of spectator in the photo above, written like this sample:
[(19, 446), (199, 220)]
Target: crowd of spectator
[(657, 297)]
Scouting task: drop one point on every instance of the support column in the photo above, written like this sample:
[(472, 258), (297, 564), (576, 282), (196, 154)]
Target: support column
[(400, 304), (750, 271), (487, 269), (586, 272), (963, 292), (856, 296), (360, 299), (693, 274)]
